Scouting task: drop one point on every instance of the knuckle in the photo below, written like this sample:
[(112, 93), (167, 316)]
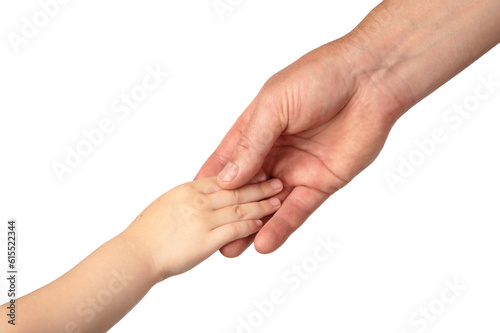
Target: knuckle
[(200, 201), (237, 195), (210, 187), (250, 146), (269, 84), (183, 191), (240, 212), (233, 231), (306, 209), (246, 144), (266, 207)]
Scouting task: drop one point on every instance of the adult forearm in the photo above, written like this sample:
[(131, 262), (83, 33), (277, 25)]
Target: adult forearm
[(413, 47)]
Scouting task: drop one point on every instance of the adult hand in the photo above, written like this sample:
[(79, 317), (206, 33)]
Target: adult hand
[(314, 125), (319, 122)]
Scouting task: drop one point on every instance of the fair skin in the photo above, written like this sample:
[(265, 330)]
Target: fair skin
[(173, 234), (322, 120), (315, 125)]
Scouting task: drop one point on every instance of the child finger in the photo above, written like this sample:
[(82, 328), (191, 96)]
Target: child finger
[(207, 185), (259, 177), (233, 231), (248, 211), (245, 194)]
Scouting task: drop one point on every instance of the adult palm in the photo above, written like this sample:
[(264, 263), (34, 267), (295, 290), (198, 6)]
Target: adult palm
[(315, 125)]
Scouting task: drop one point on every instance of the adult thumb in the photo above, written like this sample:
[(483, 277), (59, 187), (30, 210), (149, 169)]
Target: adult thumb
[(255, 142)]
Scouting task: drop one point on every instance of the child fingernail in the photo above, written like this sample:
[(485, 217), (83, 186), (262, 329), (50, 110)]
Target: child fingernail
[(275, 201), (260, 177), (275, 184), (259, 223)]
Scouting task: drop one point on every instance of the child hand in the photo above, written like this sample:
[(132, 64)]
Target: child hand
[(189, 223)]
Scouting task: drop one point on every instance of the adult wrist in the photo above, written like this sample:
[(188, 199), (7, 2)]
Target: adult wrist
[(411, 48)]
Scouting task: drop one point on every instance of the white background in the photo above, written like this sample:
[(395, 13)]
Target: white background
[(397, 247)]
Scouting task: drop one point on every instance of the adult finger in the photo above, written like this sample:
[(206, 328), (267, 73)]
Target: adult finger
[(219, 158), (296, 208), (236, 230), (255, 142), (237, 247)]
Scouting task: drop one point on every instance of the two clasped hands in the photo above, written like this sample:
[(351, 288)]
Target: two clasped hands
[(311, 129)]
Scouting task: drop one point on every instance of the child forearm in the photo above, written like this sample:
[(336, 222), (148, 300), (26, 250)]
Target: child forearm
[(91, 297), (173, 234)]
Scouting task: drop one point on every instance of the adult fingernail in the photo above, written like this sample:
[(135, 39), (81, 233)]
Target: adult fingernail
[(228, 173), (275, 184)]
